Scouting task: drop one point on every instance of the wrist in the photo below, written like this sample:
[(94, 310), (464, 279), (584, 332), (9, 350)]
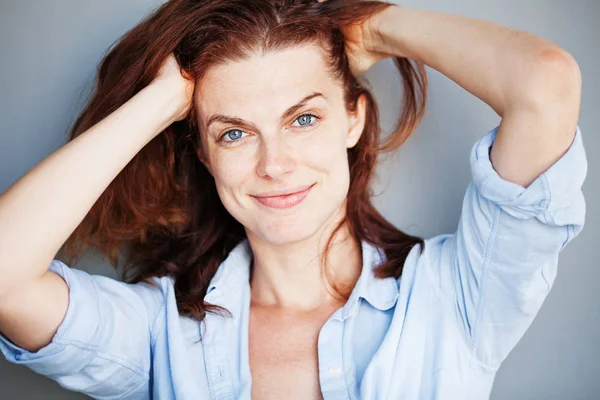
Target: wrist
[(169, 99), (158, 103), (386, 36)]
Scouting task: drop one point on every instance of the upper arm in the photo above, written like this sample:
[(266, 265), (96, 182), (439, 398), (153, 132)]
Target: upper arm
[(538, 127), (530, 140), (102, 344), (501, 262), (30, 315)]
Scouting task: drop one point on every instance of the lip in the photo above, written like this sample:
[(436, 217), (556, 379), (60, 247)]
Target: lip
[(284, 198)]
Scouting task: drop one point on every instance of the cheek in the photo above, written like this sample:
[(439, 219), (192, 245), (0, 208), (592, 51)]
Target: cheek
[(230, 170), (325, 150)]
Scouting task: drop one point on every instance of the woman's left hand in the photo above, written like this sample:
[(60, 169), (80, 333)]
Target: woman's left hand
[(363, 46)]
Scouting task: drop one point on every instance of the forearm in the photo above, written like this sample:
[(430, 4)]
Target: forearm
[(40, 211), (503, 67)]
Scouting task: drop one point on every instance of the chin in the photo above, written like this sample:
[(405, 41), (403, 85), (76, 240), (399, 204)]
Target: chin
[(289, 229), (286, 231)]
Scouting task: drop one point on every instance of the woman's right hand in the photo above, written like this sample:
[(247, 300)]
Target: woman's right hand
[(67, 184), (178, 84)]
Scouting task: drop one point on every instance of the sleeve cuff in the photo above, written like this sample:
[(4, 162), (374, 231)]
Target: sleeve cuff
[(75, 332), (553, 197)]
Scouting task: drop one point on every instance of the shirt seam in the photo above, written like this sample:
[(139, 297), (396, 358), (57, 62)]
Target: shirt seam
[(153, 330), (485, 267), (343, 323), (104, 356), (547, 199), (134, 389)]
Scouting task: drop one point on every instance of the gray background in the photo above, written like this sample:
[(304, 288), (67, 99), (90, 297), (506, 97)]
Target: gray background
[(49, 53)]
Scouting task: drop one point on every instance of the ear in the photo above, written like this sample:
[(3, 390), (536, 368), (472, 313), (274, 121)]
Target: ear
[(357, 121)]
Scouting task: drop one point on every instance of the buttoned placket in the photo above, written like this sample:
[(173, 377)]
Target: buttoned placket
[(232, 277), (215, 358), (332, 376)]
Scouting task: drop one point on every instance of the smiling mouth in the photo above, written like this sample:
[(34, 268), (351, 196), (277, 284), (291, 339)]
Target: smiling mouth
[(287, 199)]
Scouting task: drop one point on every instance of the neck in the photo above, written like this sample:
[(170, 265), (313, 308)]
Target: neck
[(293, 276)]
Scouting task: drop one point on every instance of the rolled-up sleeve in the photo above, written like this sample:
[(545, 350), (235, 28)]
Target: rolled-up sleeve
[(502, 260), (103, 345)]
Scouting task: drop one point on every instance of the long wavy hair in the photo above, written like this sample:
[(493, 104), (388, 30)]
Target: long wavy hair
[(162, 214)]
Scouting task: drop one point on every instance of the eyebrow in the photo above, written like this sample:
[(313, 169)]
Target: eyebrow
[(238, 121)]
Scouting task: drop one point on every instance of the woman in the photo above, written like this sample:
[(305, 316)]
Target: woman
[(257, 265)]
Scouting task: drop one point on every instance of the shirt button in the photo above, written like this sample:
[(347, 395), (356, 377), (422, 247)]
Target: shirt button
[(336, 370)]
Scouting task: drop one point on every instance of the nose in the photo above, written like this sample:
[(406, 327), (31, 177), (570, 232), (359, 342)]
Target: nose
[(275, 159)]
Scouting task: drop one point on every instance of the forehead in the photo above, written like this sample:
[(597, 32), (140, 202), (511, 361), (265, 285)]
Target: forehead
[(265, 82)]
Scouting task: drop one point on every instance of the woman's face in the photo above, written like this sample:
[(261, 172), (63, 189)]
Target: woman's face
[(276, 132)]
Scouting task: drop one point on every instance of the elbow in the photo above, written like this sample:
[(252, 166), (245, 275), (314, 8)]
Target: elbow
[(555, 81), (562, 73)]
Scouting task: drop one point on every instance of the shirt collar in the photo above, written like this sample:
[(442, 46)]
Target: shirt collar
[(232, 276), (232, 280), (379, 293)]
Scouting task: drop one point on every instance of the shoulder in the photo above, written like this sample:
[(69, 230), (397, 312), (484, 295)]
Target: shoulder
[(143, 299)]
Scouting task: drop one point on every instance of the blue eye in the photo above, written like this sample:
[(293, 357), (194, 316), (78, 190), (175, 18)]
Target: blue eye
[(233, 135), (304, 120)]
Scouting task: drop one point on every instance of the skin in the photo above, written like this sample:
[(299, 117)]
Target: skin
[(538, 126), (534, 85), (308, 147), (290, 300)]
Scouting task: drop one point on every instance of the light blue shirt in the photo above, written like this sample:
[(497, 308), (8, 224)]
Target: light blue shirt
[(440, 331)]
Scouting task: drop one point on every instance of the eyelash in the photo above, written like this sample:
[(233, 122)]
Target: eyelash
[(230, 142)]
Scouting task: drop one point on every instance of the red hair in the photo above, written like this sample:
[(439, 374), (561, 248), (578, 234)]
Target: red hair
[(162, 213)]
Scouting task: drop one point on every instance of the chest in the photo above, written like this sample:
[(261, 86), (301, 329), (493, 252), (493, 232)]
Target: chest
[(283, 355)]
